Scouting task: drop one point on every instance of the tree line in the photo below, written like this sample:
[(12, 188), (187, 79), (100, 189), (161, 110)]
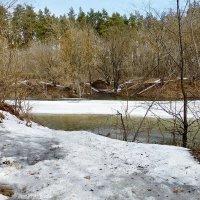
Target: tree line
[(26, 25), (77, 48)]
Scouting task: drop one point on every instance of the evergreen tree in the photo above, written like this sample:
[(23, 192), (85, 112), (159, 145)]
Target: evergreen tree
[(132, 21), (103, 22), (23, 26), (63, 23), (3, 21), (139, 20), (18, 27), (71, 15), (29, 22), (92, 18), (81, 19), (116, 20), (45, 25)]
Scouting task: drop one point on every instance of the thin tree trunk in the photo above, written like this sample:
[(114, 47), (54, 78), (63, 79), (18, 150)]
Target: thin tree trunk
[(182, 72), (116, 77), (90, 80), (125, 135)]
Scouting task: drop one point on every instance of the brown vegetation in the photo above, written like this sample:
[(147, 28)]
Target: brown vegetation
[(22, 113), (6, 190), (171, 90), (2, 117), (196, 154), (72, 52), (10, 109)]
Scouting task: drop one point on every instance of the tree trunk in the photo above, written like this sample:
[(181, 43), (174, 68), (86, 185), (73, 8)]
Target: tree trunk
[(90, 80), (116, 78), (182, 72)]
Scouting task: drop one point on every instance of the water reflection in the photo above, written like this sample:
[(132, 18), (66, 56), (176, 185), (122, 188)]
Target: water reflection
[(106, 125)]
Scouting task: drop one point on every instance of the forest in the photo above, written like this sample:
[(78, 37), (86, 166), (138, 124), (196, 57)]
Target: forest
[(97, 105), (78, 53)]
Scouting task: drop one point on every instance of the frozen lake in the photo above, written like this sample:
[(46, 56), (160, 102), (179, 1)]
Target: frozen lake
[(112, 107), (100, 116)]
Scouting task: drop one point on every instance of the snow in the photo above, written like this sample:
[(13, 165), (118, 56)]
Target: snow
[(157, 81), (94, 89), (3, 197), (148, 88), (111, 107), (48, 164)]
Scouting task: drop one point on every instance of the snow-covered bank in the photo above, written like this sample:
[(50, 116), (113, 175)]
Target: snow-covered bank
[(40, 163), (135, 108)]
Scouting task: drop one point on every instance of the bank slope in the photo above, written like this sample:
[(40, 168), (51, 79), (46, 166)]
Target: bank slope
[(39, 163)]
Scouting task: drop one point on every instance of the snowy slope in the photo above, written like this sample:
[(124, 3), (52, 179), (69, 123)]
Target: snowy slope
[(57, 165)]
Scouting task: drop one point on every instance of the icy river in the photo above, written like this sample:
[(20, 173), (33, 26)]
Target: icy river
[(103, 117)]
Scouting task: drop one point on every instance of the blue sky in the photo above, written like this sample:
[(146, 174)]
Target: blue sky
[(60, 7)]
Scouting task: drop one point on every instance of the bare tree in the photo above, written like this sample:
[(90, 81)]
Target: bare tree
[(78, 52), (8, 4), (118, 44), (182, 75)]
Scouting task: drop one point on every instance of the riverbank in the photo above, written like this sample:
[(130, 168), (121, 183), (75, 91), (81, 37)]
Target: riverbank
[(136, 89), (39, 163)]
